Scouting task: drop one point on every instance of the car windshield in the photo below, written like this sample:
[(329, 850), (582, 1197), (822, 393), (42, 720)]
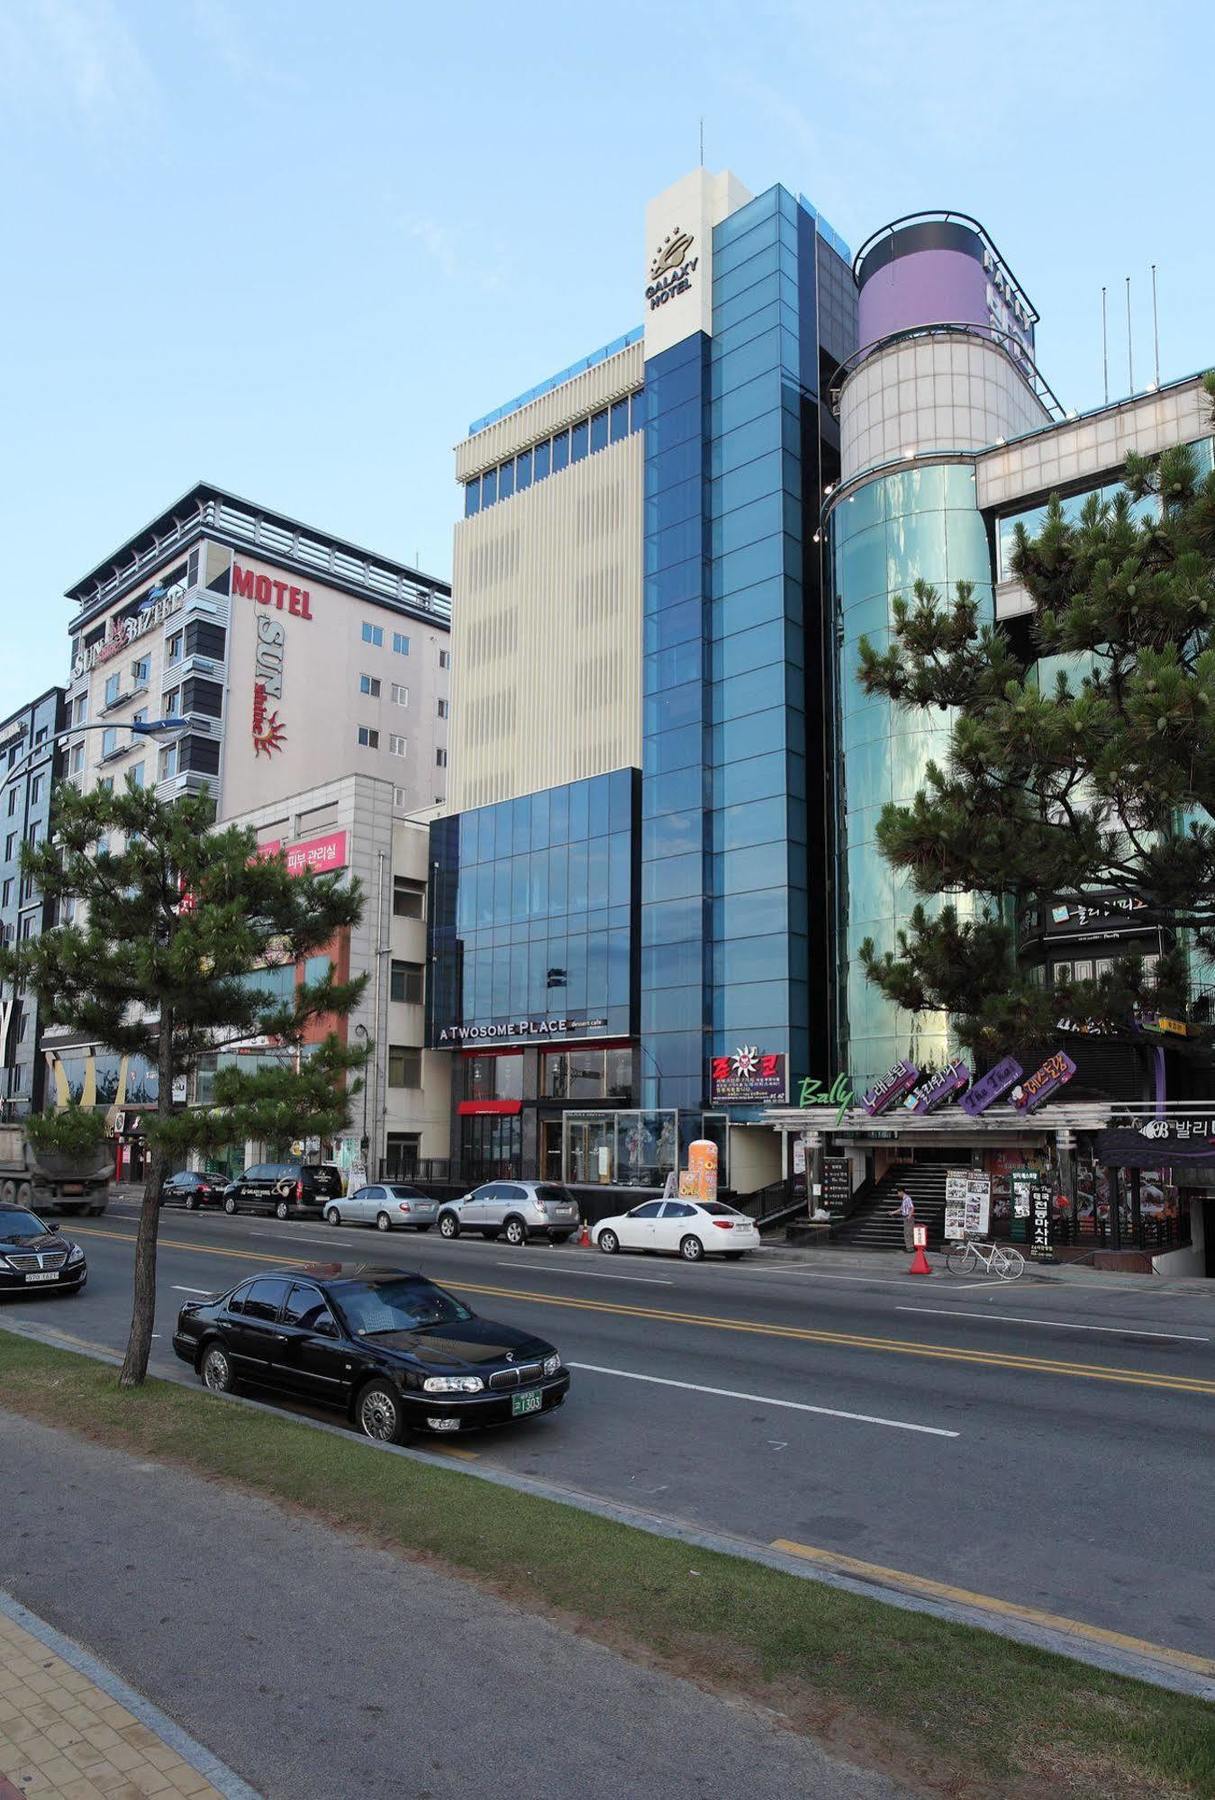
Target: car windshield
[(373, 1308), (17, 1225)]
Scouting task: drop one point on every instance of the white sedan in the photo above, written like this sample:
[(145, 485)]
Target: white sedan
[(388, 1206), (688, 1228)]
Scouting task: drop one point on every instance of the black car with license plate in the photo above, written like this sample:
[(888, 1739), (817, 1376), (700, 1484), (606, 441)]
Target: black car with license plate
[(35, 1259), (191, 1188), (395, 1352)]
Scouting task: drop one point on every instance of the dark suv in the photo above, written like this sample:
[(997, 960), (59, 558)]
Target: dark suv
[(286, 1189)]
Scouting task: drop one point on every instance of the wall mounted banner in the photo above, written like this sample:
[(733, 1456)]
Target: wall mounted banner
[(1055, 1071), (1147, 1143), (748, 1076), (987, 1090), (938, 1087), (321, 853), (894, 1084)]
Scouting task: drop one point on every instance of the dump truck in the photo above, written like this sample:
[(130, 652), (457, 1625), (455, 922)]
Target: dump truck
[(49, 1180)]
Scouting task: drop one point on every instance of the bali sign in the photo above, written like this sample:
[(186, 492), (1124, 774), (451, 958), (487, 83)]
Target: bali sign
[(894, 1084), (938, 1087), (987, 1090), (1055, 1071)]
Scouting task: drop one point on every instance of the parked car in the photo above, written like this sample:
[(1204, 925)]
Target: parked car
[(34, 1257), (191, 1188), (689, 1228), (389, 1207), (286, 1189), (387, 1346), (514, 1210)]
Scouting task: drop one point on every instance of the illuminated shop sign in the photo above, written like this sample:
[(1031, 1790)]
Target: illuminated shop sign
[(672, 270), (894, 1084), (749, 1074), (517, 1028), (125, 631), (324, 854), (1055, 1071), (987, 1090), (268, 590), (938, 1087)]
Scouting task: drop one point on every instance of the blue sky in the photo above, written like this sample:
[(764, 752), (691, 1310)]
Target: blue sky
[(294, 248)]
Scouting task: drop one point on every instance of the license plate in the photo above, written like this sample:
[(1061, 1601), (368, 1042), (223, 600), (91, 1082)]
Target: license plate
[(47, 1275), (525, 1403), (72, 1187)]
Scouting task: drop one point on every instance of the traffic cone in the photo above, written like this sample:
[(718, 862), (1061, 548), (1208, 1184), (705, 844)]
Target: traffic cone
[(920, 1264), (584, 1242)]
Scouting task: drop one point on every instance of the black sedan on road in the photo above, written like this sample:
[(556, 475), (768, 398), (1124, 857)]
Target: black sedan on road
[(191, 1188), (394, 1351), (34, 1258)]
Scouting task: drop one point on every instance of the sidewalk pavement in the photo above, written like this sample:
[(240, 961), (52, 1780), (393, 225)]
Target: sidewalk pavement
[(324, 1668), (71, 1730)]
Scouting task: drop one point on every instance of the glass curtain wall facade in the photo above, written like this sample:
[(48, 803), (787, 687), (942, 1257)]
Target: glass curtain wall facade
[(921, 524)]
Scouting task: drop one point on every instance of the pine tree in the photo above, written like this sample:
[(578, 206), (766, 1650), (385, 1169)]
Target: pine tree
[(1099, 783), (172, 921)]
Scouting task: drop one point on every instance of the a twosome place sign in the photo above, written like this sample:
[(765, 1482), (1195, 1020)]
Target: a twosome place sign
[(521, 1029)]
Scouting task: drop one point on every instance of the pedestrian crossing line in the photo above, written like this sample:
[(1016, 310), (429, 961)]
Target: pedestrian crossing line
[(1029, 1365)]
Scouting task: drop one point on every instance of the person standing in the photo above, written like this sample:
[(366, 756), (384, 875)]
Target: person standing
[(906, 1211)]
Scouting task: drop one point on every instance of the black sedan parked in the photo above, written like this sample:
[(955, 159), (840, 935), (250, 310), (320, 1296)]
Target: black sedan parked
[(395, 1352), (36, 1259), (190, 1188)]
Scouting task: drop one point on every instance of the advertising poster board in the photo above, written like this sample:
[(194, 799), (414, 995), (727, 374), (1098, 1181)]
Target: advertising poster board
[(967, 1204)]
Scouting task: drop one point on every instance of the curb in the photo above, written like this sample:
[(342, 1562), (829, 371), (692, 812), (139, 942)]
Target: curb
[(1139, 1663), (203, 1761)]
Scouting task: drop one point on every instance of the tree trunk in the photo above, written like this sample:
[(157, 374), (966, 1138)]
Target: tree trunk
[(143, 1308)]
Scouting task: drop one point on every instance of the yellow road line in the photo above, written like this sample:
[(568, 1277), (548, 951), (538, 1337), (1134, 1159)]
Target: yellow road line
[(991, 1359), (1007, 1609)]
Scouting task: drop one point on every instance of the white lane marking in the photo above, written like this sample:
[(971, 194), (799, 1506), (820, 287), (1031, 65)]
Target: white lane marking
[(294, 1236), (870, 1280), (951, 1312), (189, 1290), (829, 1412), (590, 1274)]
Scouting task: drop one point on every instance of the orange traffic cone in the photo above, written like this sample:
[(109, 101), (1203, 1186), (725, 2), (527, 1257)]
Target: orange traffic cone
[(920, 1264), (584, 1242)]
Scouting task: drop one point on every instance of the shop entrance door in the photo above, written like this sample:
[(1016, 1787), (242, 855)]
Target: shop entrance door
[(550, 1150), (578, 1140)]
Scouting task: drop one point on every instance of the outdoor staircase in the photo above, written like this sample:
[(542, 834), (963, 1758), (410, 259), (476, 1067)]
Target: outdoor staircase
[(875, 1225)]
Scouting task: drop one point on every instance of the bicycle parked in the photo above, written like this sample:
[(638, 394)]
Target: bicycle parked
[(999, 1260)]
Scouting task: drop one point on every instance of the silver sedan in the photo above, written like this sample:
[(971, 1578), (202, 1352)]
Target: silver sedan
[(388, 1207)]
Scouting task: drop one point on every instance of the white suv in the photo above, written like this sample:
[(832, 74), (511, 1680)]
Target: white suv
[(515, 1210)]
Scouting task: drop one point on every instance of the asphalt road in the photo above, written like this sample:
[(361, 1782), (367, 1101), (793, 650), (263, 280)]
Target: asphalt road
[(1044, 1443)]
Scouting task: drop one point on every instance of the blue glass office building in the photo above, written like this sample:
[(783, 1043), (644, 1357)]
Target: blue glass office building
[(706, 854)]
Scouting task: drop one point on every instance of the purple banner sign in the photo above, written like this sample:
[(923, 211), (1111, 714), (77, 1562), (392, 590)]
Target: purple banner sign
[(1057, 1069), (893, 1085), (987, 1090), (938, 1087)]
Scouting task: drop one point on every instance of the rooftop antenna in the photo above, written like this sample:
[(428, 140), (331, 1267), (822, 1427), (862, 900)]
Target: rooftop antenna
[(1155, 326), (1130, 353), (1105, 349)]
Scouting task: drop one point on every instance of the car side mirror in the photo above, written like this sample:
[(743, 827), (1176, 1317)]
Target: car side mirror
[(326, 1328)]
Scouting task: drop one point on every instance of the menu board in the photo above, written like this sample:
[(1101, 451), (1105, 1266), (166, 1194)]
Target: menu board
[(837, 1183), (967, 1203)]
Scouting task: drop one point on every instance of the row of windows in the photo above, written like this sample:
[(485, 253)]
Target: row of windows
[(374, 635), (14, 794), (593, 808), (570, 445)]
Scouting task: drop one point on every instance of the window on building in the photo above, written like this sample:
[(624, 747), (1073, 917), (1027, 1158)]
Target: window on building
[(400, 643), (168, 762), (140, 717), (580, 440), (170, 700), (12, 800), (27, 926), (599, 430), (109, 741), (40, 735), (141, 671), (400, 695), (106, 784), (113, 689), (317, 969), (441, 759), (82, 708), (408, 897), (369, 737), (67, 910), (173, 648), (369, 684), (398, 797), (445, 659), (442, 708), (404, 1067), (6, 893), (77, 758), (27, 887), (35, 790), (396, 744), (493, 1077), (373, 634), (10, 846), (406, 982), (136, 776)]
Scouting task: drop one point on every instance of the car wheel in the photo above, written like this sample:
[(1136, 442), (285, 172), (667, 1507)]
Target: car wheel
[(608, 1242), (515, 1232), (333, 1216), (189, 1202), (449, 1226), (383, 1222), (379, 1414), (691, 1249), (281, 1209), (216, 1369), (230, 1203)]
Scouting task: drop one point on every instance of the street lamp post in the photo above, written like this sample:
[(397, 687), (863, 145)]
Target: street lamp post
[(360, 1031), (153, 728)]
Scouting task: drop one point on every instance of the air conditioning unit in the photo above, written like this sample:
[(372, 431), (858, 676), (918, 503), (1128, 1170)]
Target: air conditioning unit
[(204, 665)]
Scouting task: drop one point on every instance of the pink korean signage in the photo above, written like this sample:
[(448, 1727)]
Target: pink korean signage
[(324, 854)]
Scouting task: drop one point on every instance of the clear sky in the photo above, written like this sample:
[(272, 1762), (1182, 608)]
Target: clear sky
[(294, 248)]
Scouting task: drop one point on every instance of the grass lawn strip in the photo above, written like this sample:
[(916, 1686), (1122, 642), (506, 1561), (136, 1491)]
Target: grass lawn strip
[(947, 1707)]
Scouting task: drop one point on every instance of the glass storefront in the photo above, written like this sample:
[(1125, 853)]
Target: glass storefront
[(624, 1149)]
